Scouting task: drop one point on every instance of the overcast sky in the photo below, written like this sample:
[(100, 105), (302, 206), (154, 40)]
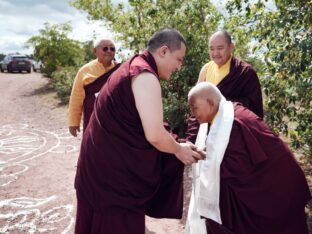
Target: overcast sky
[(22, 19)]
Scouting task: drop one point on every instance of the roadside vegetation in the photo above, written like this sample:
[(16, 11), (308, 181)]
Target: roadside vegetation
[(61, 56)]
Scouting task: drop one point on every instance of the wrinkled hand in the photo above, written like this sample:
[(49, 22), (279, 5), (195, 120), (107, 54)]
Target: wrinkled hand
[(73, 130), (189, 154)]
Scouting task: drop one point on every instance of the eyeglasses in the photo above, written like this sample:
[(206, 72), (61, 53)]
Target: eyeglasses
[(106, 48)]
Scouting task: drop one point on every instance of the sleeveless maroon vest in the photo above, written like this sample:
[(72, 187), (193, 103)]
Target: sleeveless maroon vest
[(118, 167)]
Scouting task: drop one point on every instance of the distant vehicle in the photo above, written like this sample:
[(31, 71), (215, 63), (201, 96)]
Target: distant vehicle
[(15, 62), (37, 65)]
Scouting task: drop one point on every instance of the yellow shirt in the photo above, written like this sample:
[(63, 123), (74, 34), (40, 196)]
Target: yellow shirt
[(214, 118), (214, 74), (86, 75)]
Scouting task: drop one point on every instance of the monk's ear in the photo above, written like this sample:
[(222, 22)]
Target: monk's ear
[(213, 105), (162, 50), (210, 102)]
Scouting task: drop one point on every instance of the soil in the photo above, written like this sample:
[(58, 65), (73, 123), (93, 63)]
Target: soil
[(38, 162)]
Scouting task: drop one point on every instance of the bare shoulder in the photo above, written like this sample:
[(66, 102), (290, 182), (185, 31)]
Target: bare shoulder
[(145, 78), (145, 84)]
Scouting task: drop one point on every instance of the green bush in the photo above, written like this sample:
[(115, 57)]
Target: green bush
[(55, 49), (62, 82)]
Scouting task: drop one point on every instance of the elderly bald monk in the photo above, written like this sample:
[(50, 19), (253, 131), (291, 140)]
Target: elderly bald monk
[(250, 181), (129, 165)]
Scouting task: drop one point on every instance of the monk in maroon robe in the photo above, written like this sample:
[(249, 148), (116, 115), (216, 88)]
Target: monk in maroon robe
[(263, 190), (240, 84), (91, 90), (129, 165)]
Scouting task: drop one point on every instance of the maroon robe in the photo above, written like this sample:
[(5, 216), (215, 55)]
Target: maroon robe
[(118, 169), (90, 91), (263, 189), (240, 85)]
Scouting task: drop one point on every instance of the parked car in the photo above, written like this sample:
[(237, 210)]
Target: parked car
[(15, 62), (37, 65)]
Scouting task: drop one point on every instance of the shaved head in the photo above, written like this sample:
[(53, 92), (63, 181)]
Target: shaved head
[(204, 99), (220, 47), (205, 90), (223, 34)]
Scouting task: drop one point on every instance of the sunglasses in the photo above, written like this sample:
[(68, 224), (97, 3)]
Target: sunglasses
[(106, 48)]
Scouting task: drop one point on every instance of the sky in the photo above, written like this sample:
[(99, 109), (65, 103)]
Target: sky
[(22, 19)]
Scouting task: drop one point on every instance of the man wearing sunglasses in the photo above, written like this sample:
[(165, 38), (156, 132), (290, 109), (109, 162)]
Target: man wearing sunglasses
[(88, 82)]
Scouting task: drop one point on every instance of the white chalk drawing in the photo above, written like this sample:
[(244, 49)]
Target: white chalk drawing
[(30, 215), (19, 144)]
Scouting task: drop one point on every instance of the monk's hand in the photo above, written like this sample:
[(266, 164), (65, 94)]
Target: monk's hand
[(187, 155), (73, 130), (202, 152)]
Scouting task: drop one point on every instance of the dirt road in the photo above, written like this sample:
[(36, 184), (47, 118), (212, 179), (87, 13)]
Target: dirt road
[(38, 159)]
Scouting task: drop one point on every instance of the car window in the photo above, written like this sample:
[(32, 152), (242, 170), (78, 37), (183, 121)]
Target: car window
[(19, 58)]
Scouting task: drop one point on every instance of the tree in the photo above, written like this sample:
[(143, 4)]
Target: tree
[(63, 79), (87, 48), (53, 47), (284, 38)]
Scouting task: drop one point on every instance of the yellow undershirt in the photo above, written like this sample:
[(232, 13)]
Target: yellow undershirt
[(214, 118), (86, 75), (214, 74)]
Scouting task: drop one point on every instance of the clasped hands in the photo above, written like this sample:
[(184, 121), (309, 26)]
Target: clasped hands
[(189, 153)]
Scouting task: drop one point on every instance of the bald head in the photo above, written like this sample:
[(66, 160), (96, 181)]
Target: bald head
[(205, 90), (222, 34), (204, 99), (220, 47)]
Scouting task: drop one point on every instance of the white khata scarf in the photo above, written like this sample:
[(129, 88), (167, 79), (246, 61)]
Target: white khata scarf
[(206, 173)]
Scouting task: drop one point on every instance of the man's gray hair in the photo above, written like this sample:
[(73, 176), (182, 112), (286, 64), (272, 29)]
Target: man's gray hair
[(166, 37), (205, 90), (98, 41)]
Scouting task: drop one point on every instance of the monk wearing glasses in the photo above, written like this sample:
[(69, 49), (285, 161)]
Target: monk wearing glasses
[(88, 82)]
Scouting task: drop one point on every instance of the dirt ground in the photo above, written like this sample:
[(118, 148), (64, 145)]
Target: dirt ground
[(38, 159), (38, 162)]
